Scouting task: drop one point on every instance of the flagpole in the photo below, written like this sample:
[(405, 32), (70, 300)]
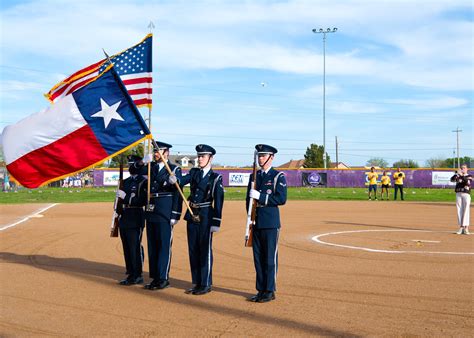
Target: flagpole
[(151, 26), (148, 197)]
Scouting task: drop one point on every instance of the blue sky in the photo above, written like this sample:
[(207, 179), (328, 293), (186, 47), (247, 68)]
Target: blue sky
[(399, 74)]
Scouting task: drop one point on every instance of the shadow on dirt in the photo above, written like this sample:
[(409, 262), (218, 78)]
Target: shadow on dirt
[(106, 273)]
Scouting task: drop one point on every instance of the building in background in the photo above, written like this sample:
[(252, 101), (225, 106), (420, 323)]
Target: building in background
[(184, 161)]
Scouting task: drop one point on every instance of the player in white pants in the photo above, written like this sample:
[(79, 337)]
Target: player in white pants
[(463, 198)]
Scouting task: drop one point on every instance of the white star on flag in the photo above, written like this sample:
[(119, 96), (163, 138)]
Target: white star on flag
[(108, 112)]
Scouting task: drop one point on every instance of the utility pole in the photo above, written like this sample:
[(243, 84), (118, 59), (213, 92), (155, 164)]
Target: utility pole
[(324, 32), (337, 154), (457, 131)]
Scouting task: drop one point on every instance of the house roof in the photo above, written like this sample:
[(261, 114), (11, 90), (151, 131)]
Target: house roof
[(176, 159), (338, 165), (293, 164)]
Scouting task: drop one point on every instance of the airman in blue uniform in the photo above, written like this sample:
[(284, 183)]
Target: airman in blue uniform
[(206, 201), (132, 220), (270, 192), (163, 213)]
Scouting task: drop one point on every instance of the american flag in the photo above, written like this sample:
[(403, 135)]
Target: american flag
[(133, 65)]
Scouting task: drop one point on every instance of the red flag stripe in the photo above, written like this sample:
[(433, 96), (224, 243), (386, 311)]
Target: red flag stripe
[(142, 102), (40, 165), (67, 88), (63, 85), (85, 71), (138, 80), (140, 91), (79, 85)]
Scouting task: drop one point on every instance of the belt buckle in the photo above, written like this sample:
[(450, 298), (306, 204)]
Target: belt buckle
[(150, 207), (196, 218)]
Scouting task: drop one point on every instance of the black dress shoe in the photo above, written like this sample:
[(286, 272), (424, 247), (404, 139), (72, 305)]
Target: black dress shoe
[(153, 285), (266, 297), (202, 290), (136, 280), (194, 288), (256, 297), (163, 284), (125, 281)]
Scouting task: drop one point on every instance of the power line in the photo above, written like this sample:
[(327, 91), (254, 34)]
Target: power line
[(287, 139), (164, 84), (328, 149)]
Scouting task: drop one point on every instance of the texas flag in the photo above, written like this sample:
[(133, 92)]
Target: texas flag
[(79, 131)]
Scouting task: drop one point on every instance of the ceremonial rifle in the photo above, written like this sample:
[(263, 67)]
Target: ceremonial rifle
[(118, 207), (195, 218), (251, 213)]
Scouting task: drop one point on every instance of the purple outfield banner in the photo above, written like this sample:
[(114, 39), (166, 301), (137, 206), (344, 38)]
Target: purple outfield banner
[(332, 178)]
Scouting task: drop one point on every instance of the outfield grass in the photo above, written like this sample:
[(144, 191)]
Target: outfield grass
[(77, 195)]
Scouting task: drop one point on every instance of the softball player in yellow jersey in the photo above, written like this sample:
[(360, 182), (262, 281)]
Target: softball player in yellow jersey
[(385, 181), (398, 176), (372, 176)]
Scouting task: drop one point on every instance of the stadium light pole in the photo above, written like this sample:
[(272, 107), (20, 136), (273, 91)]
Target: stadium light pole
[(324, 32), (457, 131)]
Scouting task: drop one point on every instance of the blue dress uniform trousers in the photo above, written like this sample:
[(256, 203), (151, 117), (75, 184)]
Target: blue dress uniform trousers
[(132, 250), (167, 205), (200, 253), (206, 200), (265, 249), (273, 190), (131, 224)]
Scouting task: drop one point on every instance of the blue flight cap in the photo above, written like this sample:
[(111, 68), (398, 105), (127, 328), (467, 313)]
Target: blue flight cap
[(265, 149), (202, 149), (133, 159), (135, 165), (162, 146)]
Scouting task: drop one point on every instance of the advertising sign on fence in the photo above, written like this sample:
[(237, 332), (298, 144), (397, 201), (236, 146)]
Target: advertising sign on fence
[(239, 179), (442, 178), (112, 177), (313, 179)]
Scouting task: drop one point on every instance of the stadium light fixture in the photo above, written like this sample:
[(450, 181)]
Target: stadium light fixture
[(324, 32)]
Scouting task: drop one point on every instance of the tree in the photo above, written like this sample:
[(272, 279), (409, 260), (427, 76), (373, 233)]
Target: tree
[(453, 162), (377, 162), (436, 162), (314, 157), (115, 161), (405, 164)]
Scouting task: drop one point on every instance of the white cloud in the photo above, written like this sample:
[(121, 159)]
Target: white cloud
[(353, 108), (15, 85), (316, 92), (439, 103), (397, 45), (432, 52)]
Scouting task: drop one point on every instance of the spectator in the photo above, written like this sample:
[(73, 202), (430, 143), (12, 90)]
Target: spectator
[(6, 181), (398, 177), (463, 198), (372, 177), (385, 180)]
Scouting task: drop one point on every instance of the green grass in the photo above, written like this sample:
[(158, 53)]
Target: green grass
[(78, 195)]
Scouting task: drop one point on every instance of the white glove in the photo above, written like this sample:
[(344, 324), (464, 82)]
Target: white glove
[(254, 194), (215, 229), (173, 222), (121, 194), (172, 179), (147, 158)]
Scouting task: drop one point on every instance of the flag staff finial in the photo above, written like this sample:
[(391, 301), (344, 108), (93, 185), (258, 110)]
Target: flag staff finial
[(151, 26), (107, 56)]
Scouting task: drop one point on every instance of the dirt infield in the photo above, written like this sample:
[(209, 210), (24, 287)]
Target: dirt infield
[(59, 273)]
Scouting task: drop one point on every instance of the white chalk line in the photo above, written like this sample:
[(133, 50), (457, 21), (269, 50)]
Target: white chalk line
[(424, 241), (318, 240), (35, 214)]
